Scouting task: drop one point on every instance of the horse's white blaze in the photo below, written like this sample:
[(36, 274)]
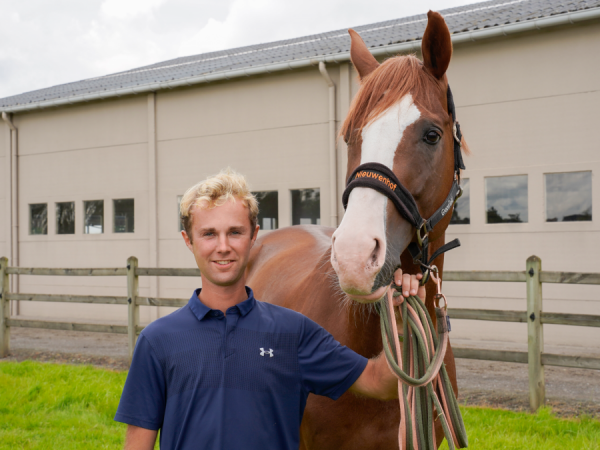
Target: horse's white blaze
[(363, 225), (382, 136)]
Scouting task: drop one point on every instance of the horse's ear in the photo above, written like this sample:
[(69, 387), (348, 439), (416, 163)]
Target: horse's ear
[(360, 55), (436, 45)]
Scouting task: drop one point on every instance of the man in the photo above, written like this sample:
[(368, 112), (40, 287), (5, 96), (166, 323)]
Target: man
[(227, 371)]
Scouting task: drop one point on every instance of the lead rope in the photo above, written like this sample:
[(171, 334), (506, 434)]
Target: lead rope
[(422, 352)]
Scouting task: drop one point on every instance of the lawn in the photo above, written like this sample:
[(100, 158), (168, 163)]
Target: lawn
[(58, 406), (506, 430)]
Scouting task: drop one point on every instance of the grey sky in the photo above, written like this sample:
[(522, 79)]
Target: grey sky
[(48, 43)]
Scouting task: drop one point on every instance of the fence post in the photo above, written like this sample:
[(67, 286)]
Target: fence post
[(133, 315), (535, 334), (4, 309)]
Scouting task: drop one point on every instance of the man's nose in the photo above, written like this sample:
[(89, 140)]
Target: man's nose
[(223, 243)]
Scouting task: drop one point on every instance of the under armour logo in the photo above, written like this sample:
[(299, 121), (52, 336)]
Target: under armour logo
[(263, 352)]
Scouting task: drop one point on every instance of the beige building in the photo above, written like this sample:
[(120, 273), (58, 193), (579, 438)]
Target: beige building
[(93, 170)]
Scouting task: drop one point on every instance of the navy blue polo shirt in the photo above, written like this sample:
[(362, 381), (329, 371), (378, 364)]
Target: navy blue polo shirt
[(235, 381)]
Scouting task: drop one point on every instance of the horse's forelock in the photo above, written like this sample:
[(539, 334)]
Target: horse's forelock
[(382, 88)]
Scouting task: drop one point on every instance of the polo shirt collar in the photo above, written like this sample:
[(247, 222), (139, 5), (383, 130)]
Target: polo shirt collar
[(200, 310)]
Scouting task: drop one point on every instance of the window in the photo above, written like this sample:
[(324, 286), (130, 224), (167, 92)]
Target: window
[(123, 215), (568, 196), (38, 218), (506, 199), (462, 208), (179, 197), (65, 218), (306, 207), (93, 222), (268, 209)]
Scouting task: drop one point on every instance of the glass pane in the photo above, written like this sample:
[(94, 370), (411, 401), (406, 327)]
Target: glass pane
[(268, 209), (93, 222), (306, 207), (568, 196), (65, 218), (123, 215), (38, 218), (462, 208), (179, 197), (506, 199)]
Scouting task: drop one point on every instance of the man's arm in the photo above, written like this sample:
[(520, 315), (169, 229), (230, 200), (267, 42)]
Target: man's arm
[(377, 380), (139, 438)]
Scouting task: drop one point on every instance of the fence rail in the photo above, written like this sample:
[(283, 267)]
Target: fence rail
[(534, 316)]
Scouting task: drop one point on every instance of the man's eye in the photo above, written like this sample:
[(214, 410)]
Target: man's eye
[(432, 137)]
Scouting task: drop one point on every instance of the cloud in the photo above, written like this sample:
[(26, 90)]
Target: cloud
[(48, 43), (124, 9)]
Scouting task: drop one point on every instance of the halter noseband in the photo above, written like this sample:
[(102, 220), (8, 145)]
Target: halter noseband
[(381, 178)]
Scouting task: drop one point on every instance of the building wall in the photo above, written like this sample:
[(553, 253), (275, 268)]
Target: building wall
[(527, 105), (92, 151)]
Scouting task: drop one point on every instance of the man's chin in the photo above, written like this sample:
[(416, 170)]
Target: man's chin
[(224, 281)]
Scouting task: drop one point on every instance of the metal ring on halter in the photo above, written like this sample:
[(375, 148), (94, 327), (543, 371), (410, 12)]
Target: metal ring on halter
[(420, 238), (459, 194), (455, 132)]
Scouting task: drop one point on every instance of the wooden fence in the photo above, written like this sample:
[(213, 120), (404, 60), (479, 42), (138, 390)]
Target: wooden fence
[(534, 316)]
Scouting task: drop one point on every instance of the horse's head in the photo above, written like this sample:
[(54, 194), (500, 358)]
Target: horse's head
[(399, 119)]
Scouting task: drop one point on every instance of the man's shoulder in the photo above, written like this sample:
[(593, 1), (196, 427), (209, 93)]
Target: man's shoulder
[(172, 322)]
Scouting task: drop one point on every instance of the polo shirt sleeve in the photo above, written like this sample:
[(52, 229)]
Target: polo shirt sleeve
[(144, 396), (327, 367)]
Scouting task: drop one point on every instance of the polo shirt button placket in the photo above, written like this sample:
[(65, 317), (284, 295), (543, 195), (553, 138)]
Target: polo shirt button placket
[(231, 320)]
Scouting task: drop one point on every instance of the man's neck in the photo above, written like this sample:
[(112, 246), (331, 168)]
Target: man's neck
[(222, 297)]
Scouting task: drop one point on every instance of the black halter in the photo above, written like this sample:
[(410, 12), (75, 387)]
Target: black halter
[(382, 179)]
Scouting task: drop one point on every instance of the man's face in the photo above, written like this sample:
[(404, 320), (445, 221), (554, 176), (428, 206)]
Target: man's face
[(221, 239)]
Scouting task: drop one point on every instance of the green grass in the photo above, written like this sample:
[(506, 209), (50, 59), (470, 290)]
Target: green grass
[(44, 406), (54, 406), (499, 429)]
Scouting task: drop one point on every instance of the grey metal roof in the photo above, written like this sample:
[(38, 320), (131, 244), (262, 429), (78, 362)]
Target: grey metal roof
[(463, 19)]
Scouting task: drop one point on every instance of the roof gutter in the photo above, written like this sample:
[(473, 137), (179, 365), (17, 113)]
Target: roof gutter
[(486, 33)]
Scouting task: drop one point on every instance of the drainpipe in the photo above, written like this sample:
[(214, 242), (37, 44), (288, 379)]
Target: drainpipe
[(332, 148), (12, 198)]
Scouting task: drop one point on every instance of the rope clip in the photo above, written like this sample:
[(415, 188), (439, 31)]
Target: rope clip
[(438, 281)]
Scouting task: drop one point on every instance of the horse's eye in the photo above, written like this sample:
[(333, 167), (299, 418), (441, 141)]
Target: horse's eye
[(432, 137)]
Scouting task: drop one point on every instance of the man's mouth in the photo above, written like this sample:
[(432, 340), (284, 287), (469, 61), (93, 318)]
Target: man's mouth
[(224, 262)]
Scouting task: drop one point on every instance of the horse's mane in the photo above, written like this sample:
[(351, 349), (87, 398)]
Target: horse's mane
[(383, 87)]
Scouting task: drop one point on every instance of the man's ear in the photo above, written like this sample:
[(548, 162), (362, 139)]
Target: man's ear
[(187, 240), (255, 235), (436, 45)]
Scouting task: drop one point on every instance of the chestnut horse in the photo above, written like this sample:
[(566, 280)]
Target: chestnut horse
[(400, 119)]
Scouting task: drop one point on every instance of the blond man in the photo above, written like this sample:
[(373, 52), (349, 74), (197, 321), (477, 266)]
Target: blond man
[(228, 371)]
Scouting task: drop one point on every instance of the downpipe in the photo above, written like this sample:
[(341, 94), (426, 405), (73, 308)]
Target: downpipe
[(333, 221)]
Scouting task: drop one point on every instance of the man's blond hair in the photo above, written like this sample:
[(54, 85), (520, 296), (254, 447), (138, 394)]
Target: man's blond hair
[(216, 191)]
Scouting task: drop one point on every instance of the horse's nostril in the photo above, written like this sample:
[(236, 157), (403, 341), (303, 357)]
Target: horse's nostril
[(375, 254)]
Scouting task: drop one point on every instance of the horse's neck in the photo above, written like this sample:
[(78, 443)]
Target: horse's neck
[(363, 329), (352, 324)]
